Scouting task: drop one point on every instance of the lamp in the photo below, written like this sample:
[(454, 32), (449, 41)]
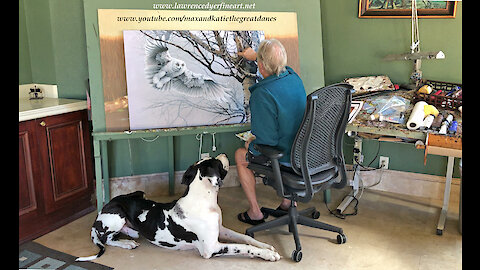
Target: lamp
[(415, 54)]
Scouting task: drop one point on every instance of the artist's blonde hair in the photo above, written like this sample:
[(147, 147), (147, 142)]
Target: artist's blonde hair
[(273, 56)]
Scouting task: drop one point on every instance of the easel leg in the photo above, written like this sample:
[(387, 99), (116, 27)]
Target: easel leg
[(446, 196), (98, 174), (171, 166), (106, 176)]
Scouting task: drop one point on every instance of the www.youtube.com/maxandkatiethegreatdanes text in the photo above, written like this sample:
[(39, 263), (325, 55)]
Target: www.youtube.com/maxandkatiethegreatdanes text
[(209, 18), (206, 6)]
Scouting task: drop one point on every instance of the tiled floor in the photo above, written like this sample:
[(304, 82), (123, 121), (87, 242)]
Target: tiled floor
[(389, 232)]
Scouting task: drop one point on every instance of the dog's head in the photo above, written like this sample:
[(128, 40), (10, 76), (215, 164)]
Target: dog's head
[(213, 169)]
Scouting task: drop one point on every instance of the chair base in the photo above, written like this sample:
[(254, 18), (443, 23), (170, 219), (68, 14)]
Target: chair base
[(294, 217)]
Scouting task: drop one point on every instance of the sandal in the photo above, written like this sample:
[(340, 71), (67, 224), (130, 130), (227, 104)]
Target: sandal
[(248, 220), (274, 212)]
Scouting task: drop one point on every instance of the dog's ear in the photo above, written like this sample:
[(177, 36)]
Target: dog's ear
[(189, 175), (222, 170)]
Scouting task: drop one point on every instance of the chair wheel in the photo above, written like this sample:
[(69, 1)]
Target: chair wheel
[(315, 214), (265, 180), (297, 255), (341, 238), (439, 232), (249, 234)]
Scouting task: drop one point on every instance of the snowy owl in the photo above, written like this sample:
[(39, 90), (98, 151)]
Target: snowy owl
[(167, 73)]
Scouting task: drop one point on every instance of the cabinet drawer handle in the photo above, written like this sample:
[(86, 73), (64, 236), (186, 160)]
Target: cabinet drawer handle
[(43, 123)]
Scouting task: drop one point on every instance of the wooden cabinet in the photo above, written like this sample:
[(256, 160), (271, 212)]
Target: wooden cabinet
[(55, 173)]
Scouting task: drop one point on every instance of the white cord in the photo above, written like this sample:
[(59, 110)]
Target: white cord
[(363, 187), (214, 147), (152, 140)]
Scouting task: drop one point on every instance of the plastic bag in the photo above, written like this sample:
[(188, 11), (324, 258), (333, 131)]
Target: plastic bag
[(394, 110)]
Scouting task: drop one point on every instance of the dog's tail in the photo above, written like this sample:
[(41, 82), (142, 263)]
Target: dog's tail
[(99, 244), (100, 253)]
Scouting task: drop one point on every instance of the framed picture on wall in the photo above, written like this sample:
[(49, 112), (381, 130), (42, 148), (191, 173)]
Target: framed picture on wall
[(402, 9)]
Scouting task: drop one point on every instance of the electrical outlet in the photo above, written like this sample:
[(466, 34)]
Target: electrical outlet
[(383, 163), (204, 155)]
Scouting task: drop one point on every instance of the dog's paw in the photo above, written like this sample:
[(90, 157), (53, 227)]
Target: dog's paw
[(270, 247), (129, 244), (272, 256)]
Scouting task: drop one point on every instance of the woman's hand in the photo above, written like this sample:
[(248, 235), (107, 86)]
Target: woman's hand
[(247, 142)]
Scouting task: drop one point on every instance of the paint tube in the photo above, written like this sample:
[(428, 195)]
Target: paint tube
[(437, 122), (445, 124), (428, 121)]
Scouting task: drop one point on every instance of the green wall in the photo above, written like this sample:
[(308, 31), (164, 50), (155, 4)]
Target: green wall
[(355, 47), (37, 46), (52, 45), (24, 64)]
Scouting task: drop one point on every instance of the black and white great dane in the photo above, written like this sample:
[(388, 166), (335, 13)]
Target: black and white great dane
[(193, 221)]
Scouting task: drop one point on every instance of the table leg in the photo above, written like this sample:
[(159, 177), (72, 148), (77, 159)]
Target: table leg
[(356, 176), (327, 195), (446, 196), (98, 174), (171, 166)]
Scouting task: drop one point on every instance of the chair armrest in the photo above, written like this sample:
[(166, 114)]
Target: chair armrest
[(268, 151)]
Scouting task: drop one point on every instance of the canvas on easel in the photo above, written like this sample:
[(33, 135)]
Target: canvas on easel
[(210, 87), (187, 78)]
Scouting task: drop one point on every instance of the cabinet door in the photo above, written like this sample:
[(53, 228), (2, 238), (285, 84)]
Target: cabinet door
[(67, 171), (28, 200)]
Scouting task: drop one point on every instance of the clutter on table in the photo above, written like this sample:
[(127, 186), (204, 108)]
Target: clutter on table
[(440, 94), (370, 84), (434, 107)]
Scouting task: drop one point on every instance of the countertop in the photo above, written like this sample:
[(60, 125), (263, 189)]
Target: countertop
[(36, 108)]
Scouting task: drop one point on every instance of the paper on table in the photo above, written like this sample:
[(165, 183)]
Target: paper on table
[(245, 135)]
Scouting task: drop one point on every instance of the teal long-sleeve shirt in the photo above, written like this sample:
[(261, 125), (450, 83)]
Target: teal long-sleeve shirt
[(277, 105)]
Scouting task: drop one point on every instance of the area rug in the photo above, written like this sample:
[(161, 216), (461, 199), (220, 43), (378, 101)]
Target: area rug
[(32, 255)]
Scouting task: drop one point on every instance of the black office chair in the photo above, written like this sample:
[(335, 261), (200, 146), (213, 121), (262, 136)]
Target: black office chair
[(317, 162)]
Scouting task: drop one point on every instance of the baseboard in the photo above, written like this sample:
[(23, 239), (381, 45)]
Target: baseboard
[(415, 184), (408, 183), (156, 184)]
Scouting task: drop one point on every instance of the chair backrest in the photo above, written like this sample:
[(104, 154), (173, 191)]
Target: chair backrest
[(318, 145)]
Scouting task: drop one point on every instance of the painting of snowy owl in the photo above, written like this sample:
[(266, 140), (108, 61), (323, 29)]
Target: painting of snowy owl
[(188, 78)]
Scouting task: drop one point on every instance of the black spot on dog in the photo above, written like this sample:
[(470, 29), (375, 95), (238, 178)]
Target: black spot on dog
[(155, 219), (165, 244), (179, 233), (221, 251), (179, 211), (102, 232)]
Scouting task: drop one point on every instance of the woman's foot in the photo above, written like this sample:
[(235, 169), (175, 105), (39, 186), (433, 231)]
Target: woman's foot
[(255, 219), (281, 210), (285, 205)]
